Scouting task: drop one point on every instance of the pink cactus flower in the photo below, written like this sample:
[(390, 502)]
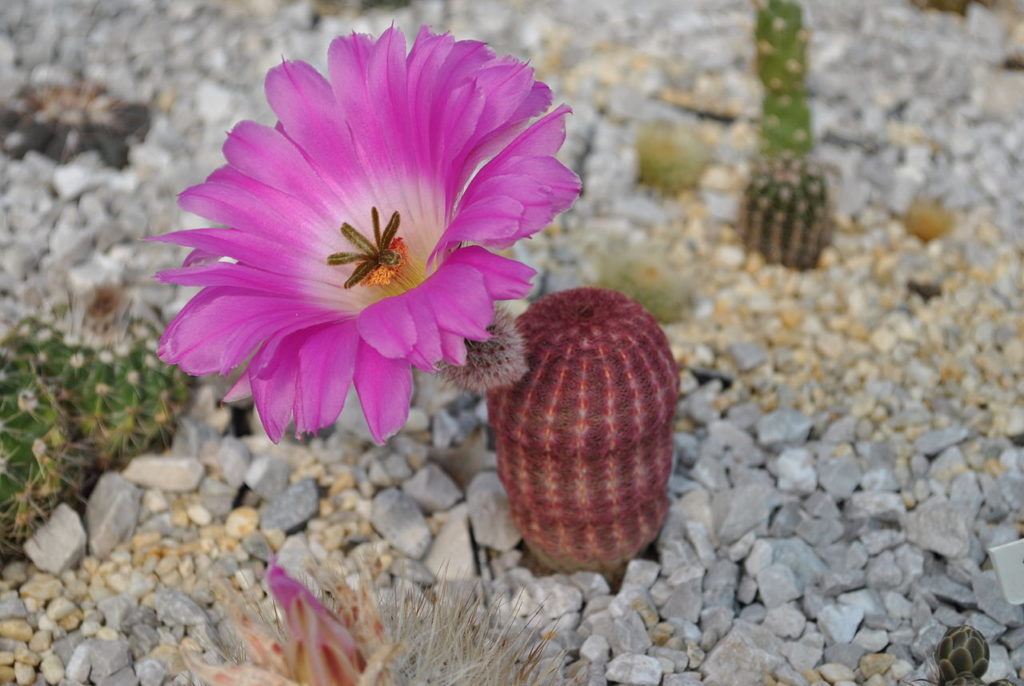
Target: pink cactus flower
[(359, 228)]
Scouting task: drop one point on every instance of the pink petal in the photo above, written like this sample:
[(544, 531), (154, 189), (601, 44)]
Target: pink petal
[(388, 326), (267, 156), (385, 387), (504, 279), (326, 362), (273, 376), (221, 327)]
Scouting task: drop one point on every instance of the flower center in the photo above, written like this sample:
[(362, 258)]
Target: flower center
[(382, 262)]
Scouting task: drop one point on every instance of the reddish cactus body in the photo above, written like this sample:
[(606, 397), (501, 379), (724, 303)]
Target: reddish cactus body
[(584, 439)]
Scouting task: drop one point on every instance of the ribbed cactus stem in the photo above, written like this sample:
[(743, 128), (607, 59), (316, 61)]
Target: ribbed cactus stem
[(584, 439), (786, 212)]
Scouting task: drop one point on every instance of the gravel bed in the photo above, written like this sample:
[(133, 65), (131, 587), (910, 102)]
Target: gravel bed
[(849, 440)]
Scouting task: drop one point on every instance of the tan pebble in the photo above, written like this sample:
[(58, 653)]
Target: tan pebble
[(26, 656), (835, 672), (275, 538), (24, 674), (71, 622), (876, 680), (154, 501), (144, 540), (107, 633), (52, 669), (241, 522), (170, 656), (6, 657), (16, 629), (199, 514), (40, 641), (41, 587), (342, 481), (179, 518), (90, 627)]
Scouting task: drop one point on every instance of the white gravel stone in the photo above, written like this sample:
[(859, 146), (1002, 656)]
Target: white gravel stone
[(639, 670), (58, 545), (941, 527), (168, 473)]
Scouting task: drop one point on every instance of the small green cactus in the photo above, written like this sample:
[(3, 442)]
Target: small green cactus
[(671, 156), (786, 212), (962, 652), (38, 464), (643, 273), (782, 67), (73, 405)]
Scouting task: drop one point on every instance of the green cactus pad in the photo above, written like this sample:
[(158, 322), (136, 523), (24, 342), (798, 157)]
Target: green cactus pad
[(786, 213)]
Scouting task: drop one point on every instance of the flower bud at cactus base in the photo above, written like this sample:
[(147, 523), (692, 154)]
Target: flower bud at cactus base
[(584, 439)]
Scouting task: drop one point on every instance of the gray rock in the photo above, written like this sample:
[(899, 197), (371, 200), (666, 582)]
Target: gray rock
[(935, 441), (687, 597), (785, 621), (432, 489), (115, 608), (451, 555), (840, 622), (796, 470), (595, 648), (58, 545), (12, 608), (783, 427), (990, 600), (167, 473), (174, 608), (122, 677), (111, 513), (839, 476), (747, 355), (886, 507), (777, 585), (106, 657), (738, 510), (268, 475), (398, 519), (489, 513), (941, 527), (743, 656), (638, 670), (234, 459), (641, 573), (293, 507), (555, 598), (151, 672)]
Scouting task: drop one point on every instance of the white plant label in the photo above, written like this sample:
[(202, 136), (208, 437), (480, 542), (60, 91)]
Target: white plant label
[(1008, 561)]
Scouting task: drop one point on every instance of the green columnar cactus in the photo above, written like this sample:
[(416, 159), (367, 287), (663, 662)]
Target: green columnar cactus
[(38, 464), (786, 212), (962, 652), (782, 68)]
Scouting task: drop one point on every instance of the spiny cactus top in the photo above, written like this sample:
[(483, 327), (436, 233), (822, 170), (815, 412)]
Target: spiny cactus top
[(584, 439), (963, 650), (360, 225)]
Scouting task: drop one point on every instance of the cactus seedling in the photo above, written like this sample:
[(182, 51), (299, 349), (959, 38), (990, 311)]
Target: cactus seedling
[(643, 273), (584, 440), (786, 212)]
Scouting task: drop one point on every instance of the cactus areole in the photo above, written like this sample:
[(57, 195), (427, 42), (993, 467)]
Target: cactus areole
[(584, 439)]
